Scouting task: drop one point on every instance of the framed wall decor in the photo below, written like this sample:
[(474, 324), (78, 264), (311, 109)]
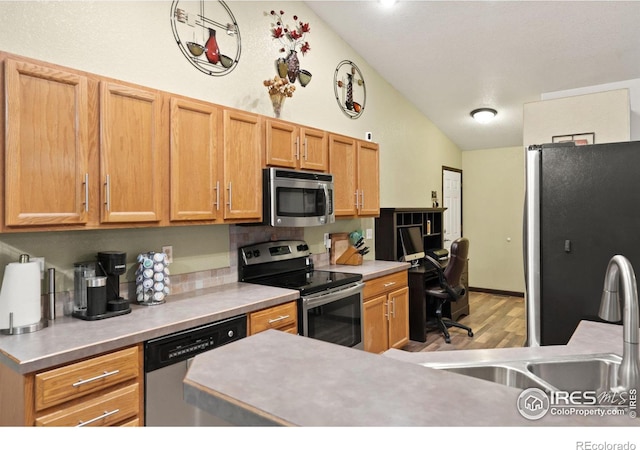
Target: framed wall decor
[(207, 34), (350, 89), (579, 139)]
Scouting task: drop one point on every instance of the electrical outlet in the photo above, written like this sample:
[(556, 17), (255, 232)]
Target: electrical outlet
[(168, 250), (369, 233), (326, 240)]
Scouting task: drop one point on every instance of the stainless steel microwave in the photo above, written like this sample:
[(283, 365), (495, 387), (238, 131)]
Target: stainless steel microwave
[(296, 198)]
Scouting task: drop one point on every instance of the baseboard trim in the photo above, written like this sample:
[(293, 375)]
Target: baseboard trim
[(496, 291)]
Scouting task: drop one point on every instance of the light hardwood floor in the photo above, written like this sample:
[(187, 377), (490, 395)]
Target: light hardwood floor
[(497, 321)]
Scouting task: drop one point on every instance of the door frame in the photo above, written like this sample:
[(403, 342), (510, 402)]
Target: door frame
[(453, 169)]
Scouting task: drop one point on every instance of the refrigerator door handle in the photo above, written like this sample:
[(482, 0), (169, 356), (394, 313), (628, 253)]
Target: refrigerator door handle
[(531, 242)]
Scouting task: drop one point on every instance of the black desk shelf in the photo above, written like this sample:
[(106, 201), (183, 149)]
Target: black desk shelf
[(388, 246)]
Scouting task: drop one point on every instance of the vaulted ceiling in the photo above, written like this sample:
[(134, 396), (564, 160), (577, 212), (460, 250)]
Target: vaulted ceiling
[(450, 57)]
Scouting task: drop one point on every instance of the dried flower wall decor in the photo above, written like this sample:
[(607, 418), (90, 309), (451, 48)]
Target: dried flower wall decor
[(279, 89)]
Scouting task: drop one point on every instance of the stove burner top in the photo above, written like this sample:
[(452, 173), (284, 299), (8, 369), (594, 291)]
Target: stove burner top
[(309, 282), (287, 264)]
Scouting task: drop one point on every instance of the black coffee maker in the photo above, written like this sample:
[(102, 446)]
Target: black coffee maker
[(112, 264)]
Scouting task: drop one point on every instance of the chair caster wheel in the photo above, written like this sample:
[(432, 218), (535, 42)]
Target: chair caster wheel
[(470, 333)]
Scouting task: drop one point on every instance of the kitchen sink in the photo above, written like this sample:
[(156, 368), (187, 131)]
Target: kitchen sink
[(594, 372), (508, 376)]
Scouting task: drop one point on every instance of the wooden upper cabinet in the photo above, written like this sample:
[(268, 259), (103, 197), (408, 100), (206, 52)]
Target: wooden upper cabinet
[(342, 164), (47, 145), (131, 150), (368, 179), (291, 146), (282, 147), (242, 155), (193, 160), (315, 149)]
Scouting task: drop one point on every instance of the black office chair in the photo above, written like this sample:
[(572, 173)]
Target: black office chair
[(449, 287)]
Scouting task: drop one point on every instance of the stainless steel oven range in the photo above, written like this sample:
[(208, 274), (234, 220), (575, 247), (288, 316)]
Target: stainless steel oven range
[(330, 305)]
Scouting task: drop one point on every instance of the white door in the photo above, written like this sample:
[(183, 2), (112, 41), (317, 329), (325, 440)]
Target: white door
[(452, 200)]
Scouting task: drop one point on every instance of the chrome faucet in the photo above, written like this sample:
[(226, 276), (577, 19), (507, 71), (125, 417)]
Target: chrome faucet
[(620, 274)]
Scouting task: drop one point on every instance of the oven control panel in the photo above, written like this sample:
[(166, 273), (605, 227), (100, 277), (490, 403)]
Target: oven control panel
[(268, 252)]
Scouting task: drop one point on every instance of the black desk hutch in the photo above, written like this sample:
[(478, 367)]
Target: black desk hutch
[(389, 248)]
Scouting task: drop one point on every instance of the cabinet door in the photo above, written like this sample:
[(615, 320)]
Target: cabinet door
[(46, 172), (242, 166), (376, 325), (368, 179), (282, 144), (342, 164), (399, 318), (131, 145), (314, 149), (193, 160)]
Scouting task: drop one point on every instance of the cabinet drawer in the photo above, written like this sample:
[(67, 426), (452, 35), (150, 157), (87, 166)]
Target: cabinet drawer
[(105, 410), (385, 284), (279, 317), (75, 380)]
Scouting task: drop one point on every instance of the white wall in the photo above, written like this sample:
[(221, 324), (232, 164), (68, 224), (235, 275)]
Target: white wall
[(633, 86), (133, 41), (493, 199), (607, 114)]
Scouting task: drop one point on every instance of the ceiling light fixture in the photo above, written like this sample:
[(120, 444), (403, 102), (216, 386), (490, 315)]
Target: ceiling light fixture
[(388, 3), (484, 115)]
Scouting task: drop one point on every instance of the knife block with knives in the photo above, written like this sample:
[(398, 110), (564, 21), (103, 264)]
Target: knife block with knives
[(351, 257), (342, 252)]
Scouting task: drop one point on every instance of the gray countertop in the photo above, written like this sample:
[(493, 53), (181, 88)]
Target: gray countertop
[(281, 379), (67, 339), (369, 269)]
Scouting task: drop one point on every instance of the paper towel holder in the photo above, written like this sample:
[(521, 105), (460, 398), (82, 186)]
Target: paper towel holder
[(29, 328)]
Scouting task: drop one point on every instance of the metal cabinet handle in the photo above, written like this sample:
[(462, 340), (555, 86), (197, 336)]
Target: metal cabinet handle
[(230, 193), (217, 203), (278, 319), (306, 151), (386, 314), (357, 198), (389, 284), (394, 307), (362, 201), (95, 419), (298, 147), (86, 192), (98, 377), (107, 195)]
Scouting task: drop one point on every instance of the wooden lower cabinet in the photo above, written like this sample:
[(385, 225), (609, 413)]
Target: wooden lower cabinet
[(386, 313), (282, 317), (105, 410), (104, 390)]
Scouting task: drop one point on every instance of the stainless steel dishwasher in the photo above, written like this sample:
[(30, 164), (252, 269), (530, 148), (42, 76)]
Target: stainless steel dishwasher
[(166, 360)]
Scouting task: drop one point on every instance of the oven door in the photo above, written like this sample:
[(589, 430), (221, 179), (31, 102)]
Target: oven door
[(334, 315)]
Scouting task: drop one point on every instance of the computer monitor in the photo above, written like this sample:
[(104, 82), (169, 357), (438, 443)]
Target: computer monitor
[(412, 247)]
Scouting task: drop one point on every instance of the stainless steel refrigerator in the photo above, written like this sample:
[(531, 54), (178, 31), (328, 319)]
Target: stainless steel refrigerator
[(582, 207)]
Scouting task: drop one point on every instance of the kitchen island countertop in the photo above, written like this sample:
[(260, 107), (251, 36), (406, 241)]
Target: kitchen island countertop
[(273, 378)]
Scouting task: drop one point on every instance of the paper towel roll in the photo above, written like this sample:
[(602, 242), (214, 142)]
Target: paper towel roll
[(20, 294)]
